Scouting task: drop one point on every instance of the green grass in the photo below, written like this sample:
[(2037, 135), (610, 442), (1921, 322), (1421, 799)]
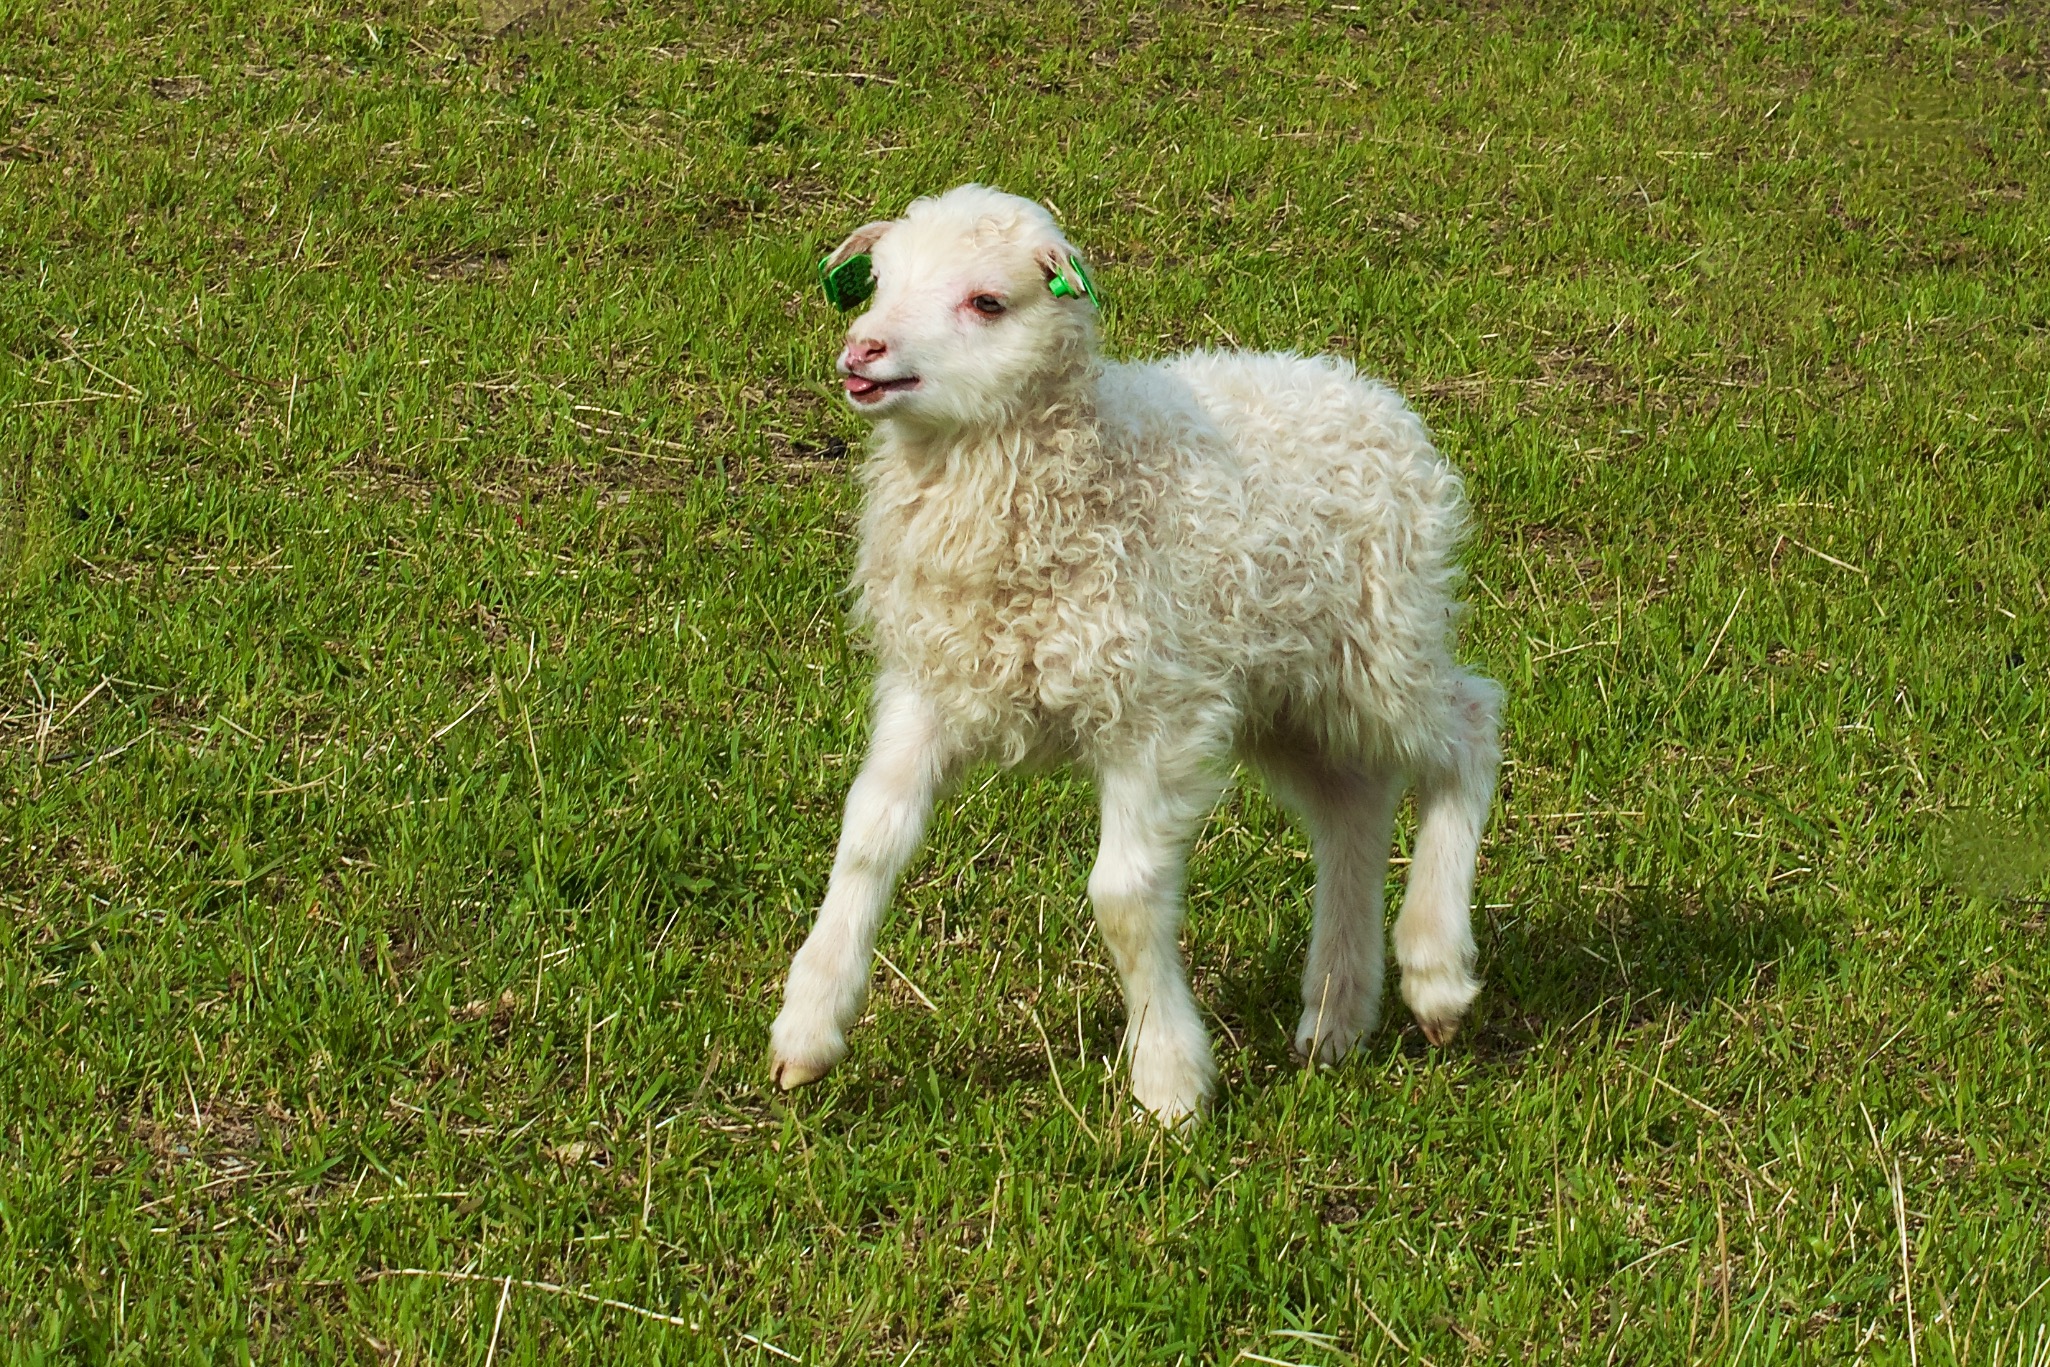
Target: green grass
[(425, 698)]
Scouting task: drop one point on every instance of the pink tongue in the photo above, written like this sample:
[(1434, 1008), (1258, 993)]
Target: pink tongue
[(859, 384)]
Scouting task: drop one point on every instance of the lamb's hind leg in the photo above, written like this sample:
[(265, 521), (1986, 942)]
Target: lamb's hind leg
[(1349, 810), (1434, 934), (1150, 813)]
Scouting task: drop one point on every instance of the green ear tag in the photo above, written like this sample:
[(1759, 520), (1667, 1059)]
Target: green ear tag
[(1059, 287), (848, 283)]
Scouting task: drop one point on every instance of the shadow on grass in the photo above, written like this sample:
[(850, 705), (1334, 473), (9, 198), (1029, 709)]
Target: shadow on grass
[(1606, 959), (1627, 958)]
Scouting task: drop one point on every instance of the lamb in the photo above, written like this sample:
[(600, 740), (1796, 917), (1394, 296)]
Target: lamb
[(1152, 571)]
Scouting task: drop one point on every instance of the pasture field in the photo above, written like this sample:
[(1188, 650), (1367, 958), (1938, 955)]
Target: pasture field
[(425, 694)]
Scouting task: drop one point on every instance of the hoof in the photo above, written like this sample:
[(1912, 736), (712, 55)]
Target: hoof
[(1438, 998), (1330, 1036), (803, 1049), (1182, 1124), (790, 1074), (1172, 1077)]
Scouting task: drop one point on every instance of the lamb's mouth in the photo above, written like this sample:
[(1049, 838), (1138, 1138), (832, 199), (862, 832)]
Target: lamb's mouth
[(861, 389)]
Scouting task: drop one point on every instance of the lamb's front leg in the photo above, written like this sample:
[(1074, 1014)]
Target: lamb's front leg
[(1150, 813), (884, 823)]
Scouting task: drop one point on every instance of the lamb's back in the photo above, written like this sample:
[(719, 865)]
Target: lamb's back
[(1316, 419)]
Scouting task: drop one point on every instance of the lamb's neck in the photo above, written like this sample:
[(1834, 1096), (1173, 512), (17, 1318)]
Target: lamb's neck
[(1045, 437)]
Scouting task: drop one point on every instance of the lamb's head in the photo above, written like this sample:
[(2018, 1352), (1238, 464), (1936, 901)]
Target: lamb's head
[(980, 307)]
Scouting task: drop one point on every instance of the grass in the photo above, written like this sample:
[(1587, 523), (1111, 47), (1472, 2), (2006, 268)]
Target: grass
[(425, 699)]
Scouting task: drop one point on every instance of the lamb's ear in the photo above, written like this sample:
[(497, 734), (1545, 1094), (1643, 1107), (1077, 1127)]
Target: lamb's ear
[(1066, 277), (844, 274), (858, 241)]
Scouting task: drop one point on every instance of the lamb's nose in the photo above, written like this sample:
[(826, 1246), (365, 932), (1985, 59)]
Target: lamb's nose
[(864, 350)]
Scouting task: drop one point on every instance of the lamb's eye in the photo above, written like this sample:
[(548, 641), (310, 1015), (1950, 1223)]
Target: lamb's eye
[(988, 305)]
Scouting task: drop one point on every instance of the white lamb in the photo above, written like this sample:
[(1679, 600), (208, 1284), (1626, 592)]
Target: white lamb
[(1150, 571)]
